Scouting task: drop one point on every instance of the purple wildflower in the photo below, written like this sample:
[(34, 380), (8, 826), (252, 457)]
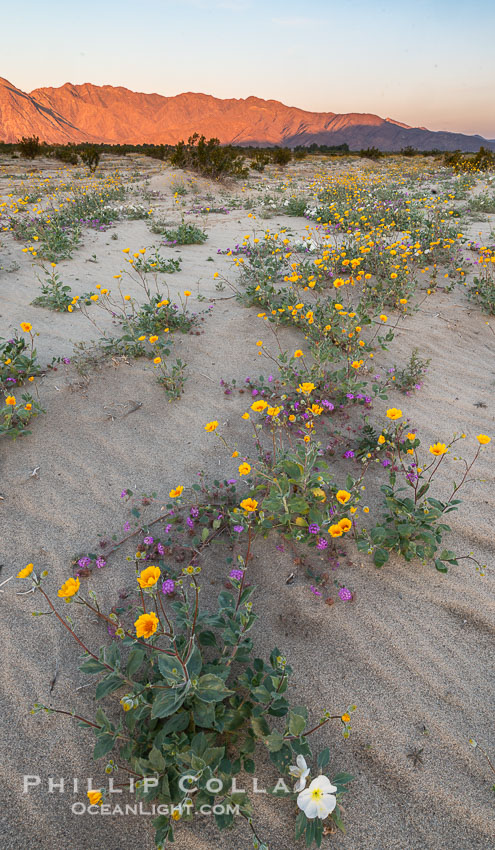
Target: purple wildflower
[(238, 528), (349, 453), (321, 543), (313, 528), (190, 522), (100, 562), (168, 586), (237, 574), (123, 494), (148, 541), (168, 528), (194, 512), (315, 591), (84, 562), (345, 594), (127, 526), (161, 548)]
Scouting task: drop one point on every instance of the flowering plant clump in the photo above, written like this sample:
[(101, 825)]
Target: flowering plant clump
[(156, 263), (482, 289), (18, 361), (413, 523), (15, 415), (18, 364), (57, 296), (185, 234), (196, 704), (55, 232), (146, 327)]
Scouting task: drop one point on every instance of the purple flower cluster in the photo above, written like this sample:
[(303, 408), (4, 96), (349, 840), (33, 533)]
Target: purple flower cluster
[(84, 562)]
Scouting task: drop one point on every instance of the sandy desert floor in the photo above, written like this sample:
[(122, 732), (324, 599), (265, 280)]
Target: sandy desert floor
[(413, 651)]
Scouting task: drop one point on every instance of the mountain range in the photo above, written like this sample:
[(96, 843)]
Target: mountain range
[(116, 115)]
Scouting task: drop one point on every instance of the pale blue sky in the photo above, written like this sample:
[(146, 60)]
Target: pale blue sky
[(424, 62)]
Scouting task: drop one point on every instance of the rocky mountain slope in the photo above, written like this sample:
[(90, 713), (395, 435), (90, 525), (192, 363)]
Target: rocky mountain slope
[(120, 116)]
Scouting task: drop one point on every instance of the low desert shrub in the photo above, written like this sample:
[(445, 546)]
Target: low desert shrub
[(90, 157), (185, 234), (208, 158), (29, 147), (281, 156)]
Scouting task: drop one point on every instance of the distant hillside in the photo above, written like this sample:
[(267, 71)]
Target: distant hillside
[(91, 113)]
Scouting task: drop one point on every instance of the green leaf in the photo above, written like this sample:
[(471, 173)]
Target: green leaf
[(104, 743), (177, 723), (282, 758), (293, 470), (441, 567), (274, 742), (310, 833), (156, 760), (380, 557), (213, 756), (207, 638), (107, 685), (297, 724), (212, 688), (194, 663), (112, 655), (204, 714), (378, 534), (260, 727), (261, 694), (167, 702), (298, 505), (324, 757), (170, 668), (91, 665), (136, 658), (301, 822), (342, 778), (226, 601)]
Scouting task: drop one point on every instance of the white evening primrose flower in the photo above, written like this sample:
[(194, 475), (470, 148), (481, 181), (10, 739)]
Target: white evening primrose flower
[(318, 801), (300, 771)]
